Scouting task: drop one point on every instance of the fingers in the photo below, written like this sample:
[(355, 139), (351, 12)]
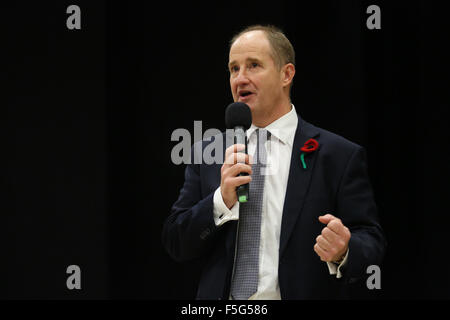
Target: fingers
[(234, 182), (324, 256), (235, 169), (236, 162), (230, 181), (329, 234), (336, 226), (336, 233), (235, 148), (234, 158), (323, 243), (333, 240), (326, 250), (333, 223), (325, 219)]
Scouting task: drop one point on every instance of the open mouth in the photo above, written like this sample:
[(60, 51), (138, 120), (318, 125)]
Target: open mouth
[(245, 94)]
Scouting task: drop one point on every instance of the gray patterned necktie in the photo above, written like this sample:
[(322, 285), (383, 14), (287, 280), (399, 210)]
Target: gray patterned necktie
[(246, 269)]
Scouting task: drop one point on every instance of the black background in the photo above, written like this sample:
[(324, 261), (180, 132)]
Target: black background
[(88, 114)]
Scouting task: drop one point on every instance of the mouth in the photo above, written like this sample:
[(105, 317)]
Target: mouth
[(245, 95)]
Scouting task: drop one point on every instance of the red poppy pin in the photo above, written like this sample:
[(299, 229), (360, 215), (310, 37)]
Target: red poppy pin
[(309, 146)]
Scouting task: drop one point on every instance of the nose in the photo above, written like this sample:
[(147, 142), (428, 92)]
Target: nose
[(241, 78)]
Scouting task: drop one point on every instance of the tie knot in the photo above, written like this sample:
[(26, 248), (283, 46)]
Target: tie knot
[(262, 135)]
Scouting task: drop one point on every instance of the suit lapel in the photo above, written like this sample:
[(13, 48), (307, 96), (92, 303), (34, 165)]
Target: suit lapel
[(298, 181)]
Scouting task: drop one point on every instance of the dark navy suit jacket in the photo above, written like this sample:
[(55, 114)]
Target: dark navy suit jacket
[(335, 181)]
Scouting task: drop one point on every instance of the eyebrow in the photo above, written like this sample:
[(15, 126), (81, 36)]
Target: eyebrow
[(250, 59)]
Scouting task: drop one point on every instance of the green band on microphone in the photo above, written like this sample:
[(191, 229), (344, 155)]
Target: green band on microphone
[(243, 199)]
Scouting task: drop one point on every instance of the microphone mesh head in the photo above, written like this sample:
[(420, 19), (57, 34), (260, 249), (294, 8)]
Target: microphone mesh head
[(238, 114)]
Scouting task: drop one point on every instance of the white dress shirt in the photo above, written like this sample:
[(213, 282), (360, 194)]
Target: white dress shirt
[(279, 150)]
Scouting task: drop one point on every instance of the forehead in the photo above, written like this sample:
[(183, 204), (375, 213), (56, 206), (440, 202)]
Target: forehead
[(253, 44)]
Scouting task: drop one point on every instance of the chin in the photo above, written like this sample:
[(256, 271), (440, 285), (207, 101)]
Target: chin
[(251, 106)]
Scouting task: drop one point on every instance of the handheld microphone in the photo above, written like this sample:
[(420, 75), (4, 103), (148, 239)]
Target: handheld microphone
[(239, 118)]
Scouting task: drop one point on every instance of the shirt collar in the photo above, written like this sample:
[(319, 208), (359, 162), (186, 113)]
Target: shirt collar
[(283, 128)]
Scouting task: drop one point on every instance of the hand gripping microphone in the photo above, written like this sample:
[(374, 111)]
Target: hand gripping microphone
[(239, 118)]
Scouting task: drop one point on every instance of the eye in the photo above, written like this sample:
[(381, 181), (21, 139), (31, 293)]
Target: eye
[(234, 69), (254, 65)]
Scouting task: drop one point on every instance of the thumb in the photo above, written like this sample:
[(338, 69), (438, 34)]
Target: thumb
[(326, 218)]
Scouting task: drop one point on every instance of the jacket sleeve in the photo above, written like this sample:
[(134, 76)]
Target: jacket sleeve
[(358, 212), (189, 231)]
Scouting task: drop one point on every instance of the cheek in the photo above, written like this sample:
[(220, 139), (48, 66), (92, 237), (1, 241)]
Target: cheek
[(273, 86), (266, 88), (266, 85), (233, 84), (232, 87)]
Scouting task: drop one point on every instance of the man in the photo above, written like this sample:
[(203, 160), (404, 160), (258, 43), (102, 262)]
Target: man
[(313, 224)]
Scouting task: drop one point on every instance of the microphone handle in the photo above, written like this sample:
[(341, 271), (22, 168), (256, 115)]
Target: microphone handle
[(242, 191)]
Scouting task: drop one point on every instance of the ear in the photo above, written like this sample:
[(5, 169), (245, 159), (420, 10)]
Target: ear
[(287, 74)]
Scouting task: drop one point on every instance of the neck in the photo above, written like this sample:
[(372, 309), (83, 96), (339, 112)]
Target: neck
[(263, 119)]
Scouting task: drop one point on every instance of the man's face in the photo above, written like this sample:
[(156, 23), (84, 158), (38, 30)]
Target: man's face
[(254, 76)]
